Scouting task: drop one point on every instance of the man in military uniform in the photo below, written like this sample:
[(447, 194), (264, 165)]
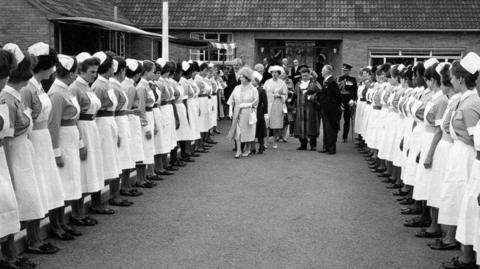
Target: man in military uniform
[(348, 90)]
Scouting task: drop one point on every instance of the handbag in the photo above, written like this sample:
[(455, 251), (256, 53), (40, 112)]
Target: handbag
[(253, 117)]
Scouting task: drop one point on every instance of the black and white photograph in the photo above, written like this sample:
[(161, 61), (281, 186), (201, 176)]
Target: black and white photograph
[(239, 134)]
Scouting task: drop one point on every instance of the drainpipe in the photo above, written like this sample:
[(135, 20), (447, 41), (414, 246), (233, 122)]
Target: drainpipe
[(165, 52)]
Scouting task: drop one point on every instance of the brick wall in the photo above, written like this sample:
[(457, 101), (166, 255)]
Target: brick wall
[(356, 45), (23, 24)]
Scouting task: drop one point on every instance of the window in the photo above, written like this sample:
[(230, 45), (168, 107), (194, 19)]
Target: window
[(113, 41), (213, 55), (379, 56)]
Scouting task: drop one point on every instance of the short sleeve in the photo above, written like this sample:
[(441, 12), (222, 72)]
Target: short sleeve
[(471, 116)]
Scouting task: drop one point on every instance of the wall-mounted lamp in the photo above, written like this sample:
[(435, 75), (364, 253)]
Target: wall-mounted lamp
[(262, 49), (335, 51)]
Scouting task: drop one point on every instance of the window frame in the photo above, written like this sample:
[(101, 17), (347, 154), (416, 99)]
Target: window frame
[(202, 54), (415, 54)]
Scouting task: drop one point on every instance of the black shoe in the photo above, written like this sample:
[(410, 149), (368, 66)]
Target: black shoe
[(332, 152), (24, 263), (155, 178), (74, 232), (401, 193), (62, 236), (324, 151), (187, 160), (171, 168), (301, 148), (193, 154), (163, 173)]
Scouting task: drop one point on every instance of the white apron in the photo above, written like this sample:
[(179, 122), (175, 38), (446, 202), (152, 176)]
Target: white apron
[(9, 219), (172, 127), (469, 215), (108, 130), (414, 147), (45, 158), (438, 168), (69, 141), (193, 114), (92, 168), (19, 152), (136, 138), (204, 118), (184, 131), (124, 152), (457, 173)]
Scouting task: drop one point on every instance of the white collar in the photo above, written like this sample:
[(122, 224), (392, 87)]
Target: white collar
[(304, 84), (130, 80), (35, 83), (82, 81), (437, 95), (115, 81), (102, 78), (8, 89), (466, 94), (143, 80), (61, 84), (329, 76)]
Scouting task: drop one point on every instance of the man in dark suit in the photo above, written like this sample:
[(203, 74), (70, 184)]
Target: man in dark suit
[(348, 90), (330, 101), (295, 74), (233, 80)]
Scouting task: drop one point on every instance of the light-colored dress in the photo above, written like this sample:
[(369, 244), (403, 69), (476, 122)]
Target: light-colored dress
[(165, 120), (129, 88), (123, 124), (277, 94), (40, 106), (91, 169), (9, 220), (145, 100), (184, 130), (457, 170), (205, 89), (20, 158), (244, 100), (107, 127), (66, 138), (194, 109)]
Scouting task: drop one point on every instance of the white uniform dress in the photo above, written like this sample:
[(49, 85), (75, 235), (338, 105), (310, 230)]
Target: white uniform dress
[(457, 170), (91, 169), (9, 221), (184, 131), (164, 141), (433, 113), (128, 87), (466, 124), (440, 156), (145, 105), (40, 106), (194, 109), (157, 117), (107, 127), (359, 110), (174, 95), (123, 124), (205, 89), (66, 137), (20, 158)]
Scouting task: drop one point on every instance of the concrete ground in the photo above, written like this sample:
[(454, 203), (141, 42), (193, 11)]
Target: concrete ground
[(283, 209)]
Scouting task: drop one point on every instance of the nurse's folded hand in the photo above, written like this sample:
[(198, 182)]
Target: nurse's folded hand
[(59, 161), (478, 199), (148, 135), (83, 153), (401, 145), (155, 131), (119, 140)]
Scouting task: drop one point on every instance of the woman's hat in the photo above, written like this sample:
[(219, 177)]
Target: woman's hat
[(276, 68)]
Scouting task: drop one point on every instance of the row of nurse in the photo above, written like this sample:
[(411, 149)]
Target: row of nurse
[(419, 128), (64, 144)]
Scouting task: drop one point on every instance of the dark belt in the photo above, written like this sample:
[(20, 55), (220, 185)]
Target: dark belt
[(164, 103), (122, 113), (155, 105), (214, 94), (104, 113), (203, 95), (363, 99), (87, 117), (377, 108), (148, 109), (65, 123), (368, 102)]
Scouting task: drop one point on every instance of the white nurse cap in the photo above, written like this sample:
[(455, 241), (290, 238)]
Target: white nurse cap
[(471, 62), (430, 62), (185, 66), (66, 61), (132, 64), (440, 67), (83, 56), (39, 49), (161, 62), (16, 51), (115, 66), (101, 56)]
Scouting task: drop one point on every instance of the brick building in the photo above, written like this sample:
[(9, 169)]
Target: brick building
[(359, 32)]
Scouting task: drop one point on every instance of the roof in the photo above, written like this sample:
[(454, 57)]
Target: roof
[(99, 9), (396, 15)]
